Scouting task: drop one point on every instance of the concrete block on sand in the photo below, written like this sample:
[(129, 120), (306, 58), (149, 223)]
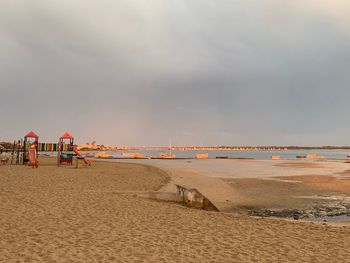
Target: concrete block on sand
[(276, 157), (202, 156), (311, 156), (102, 155)]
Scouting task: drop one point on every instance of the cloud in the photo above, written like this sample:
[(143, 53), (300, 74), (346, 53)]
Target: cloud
[(336, 12), (131, 72)]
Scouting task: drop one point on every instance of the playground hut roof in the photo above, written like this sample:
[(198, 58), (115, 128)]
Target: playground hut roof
[(31, 134), (66, 135)]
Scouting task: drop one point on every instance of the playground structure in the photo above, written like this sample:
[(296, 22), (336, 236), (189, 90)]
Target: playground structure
[(30, 148), (25, 151), (65, 151), (33, 156)]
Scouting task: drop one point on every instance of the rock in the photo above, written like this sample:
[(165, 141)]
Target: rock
[(275, 157), (102, 155)]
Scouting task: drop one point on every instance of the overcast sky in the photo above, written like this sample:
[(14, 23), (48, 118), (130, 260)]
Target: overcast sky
[(128, 72)]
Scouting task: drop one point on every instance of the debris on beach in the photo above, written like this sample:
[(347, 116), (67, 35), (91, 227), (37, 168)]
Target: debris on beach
[(191, 197), (323, 212)]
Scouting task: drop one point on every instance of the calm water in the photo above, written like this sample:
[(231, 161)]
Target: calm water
[(286, 155)]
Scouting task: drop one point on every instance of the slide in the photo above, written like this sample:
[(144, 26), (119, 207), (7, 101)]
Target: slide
[(75, 150), (33, 161)]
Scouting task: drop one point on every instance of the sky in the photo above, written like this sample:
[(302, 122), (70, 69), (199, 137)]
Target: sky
[(193, 72)]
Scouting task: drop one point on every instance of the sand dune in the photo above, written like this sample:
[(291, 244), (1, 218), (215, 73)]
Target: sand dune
[(93, 215)]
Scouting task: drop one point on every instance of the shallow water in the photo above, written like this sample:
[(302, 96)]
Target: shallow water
[(286, 155)]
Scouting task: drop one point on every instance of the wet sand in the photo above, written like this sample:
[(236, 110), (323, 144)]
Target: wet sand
[(301, 197), (291, 191), (258, 184), (252, 168), (53, 214)]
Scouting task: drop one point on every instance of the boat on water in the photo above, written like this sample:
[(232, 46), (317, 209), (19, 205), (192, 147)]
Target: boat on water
[(164, 155)]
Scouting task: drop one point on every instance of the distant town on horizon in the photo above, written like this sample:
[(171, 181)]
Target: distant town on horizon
[(102, 147)]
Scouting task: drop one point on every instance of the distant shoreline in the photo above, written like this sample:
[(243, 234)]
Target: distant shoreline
[(219, 148), (100, 147)]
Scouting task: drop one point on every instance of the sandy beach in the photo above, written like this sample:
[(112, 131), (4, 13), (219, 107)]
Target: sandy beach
[(53, 214), (250, 185), (174, 131)]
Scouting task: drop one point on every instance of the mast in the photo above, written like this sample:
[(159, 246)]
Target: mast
[(170, 147)]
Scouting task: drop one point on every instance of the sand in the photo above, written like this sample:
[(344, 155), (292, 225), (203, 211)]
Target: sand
[(53, 214), (231, 184), (339, 183), (250, 168), (301, 192)]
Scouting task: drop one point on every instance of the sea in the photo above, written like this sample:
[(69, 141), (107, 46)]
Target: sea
[(285, 154)]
